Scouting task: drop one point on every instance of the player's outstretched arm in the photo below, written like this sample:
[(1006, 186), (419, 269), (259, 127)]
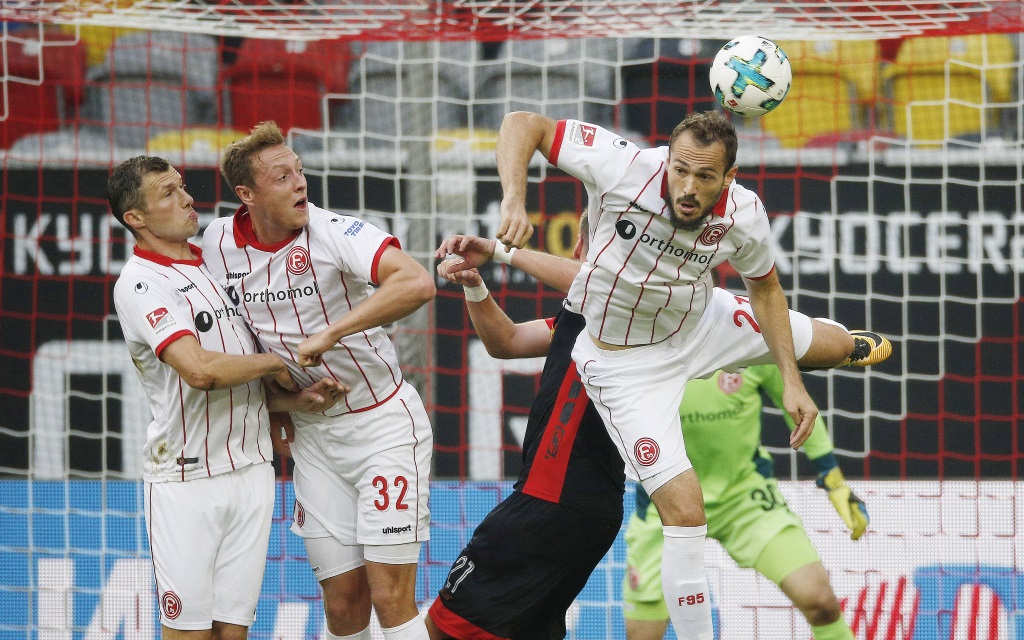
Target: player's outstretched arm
[(404, 287), (208, 370), (474, 251), (521, 134), (501, 337), (771, 311)]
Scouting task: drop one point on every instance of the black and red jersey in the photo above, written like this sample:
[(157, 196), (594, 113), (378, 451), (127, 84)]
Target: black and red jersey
[(568, 457)]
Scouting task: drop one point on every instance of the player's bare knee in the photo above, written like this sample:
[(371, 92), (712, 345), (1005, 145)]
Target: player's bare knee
[(346, 602), (680, 501), (223, 631), (821, 607), (831, 345)]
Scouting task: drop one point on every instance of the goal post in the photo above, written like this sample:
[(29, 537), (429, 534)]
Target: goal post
[(892, 174)]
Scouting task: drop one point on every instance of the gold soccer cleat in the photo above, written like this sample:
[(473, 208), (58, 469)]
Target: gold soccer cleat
[(869, 348)]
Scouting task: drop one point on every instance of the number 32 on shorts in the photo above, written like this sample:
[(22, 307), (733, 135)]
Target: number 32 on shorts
[(383, 503)]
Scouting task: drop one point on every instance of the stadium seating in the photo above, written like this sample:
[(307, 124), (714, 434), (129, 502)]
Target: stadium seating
[(556, 77), (940, 85), (284, 81), (153, 82), (41, 95), (663, 83), (835, 85)]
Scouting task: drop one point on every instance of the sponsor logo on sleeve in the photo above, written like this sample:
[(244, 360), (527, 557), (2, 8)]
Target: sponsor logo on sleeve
[(354, 228), (298, 261), (141, 287), (158, 317), (619, 143)]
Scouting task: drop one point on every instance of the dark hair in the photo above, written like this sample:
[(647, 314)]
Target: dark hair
[(707, 128), (124, 186), (236, 164)]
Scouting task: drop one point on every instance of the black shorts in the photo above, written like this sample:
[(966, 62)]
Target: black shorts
[(522, 569)]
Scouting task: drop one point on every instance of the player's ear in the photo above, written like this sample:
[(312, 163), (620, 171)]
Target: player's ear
[(135, 218), (244, 194), (730, 175)]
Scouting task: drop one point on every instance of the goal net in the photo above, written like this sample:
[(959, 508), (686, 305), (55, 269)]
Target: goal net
[(892, 173)]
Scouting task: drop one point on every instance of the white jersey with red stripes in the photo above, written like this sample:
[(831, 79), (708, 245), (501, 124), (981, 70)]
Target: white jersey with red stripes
[(297, 287), (644, 280), (194, 433)]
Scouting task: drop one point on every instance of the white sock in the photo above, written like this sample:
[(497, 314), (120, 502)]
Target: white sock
[(362, 635), (684, 583), (415, 629)]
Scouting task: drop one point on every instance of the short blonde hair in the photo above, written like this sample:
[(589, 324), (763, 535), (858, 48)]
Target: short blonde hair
[(236, 165)]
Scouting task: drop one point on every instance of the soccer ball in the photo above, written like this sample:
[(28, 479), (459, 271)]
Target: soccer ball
[(751, 75)]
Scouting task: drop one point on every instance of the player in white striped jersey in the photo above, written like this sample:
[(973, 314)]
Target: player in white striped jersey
[(304, 277), (661, 220), (209, 484)]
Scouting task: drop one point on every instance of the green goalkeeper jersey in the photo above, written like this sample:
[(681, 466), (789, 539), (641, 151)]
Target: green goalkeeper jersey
[(721, 420)]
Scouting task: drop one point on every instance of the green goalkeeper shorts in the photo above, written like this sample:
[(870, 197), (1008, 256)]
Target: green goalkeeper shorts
[(751, 515)]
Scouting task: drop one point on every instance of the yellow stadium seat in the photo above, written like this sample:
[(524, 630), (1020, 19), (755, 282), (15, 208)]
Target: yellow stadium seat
[(194, 139), (961, 74), (834, 84)]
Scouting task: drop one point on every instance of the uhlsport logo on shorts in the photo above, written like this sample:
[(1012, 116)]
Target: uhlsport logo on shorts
[(171, 605), (646, 451), (298, 261)]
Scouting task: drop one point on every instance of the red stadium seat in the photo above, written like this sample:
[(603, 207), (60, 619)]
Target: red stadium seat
[(284, 81), (42, 95)]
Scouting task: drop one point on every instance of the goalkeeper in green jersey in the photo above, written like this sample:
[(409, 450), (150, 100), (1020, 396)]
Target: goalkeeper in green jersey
[(746, 513)]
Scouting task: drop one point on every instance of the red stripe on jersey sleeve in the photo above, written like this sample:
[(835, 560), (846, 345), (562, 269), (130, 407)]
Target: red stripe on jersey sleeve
[(556, 144), (770, 271), (390, 242), (171, 338), (457, 626), (547, 475)]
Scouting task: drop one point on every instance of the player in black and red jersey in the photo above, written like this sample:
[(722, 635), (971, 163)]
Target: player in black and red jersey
[(533, 553)]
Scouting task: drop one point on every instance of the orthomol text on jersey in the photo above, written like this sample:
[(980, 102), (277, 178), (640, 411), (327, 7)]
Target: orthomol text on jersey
[(709, 237), (282, 294)]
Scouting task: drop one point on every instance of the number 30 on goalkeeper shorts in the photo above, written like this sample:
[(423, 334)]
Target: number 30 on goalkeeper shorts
[(691, 599)]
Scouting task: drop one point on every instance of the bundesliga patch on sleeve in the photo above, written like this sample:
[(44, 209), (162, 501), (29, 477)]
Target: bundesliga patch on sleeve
[(582, 134), (159, 319)]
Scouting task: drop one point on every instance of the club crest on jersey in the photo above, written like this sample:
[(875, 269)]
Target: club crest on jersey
[(157, 317), (300, 514), (298, 261), (646, 451), (582, 134), (729, 382), (713, 234), (170, 603)]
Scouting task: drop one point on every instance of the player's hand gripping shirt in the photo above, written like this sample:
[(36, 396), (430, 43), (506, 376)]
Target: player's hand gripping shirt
[(644, 280), (194, 433), (294, 289)]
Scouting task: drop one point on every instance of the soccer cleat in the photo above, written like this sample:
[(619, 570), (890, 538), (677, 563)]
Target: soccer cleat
[(869, 348)]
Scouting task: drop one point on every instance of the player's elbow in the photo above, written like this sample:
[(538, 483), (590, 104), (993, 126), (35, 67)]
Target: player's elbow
[(200, 379), (422, 289)]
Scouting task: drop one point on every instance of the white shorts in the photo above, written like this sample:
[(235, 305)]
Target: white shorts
[(364, 477), (638, 391), (209, 540)]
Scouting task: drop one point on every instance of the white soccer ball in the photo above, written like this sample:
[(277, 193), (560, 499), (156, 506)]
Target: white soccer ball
[(751, 75)]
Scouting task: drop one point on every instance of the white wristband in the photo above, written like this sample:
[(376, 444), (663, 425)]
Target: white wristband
[(475, 294), (501, 254)]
